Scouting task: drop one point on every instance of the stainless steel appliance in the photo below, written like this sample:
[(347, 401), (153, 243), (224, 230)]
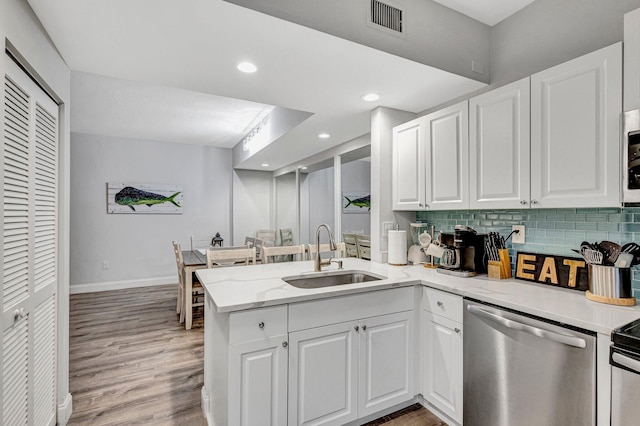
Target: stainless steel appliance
[(631, 157), (464, 252), (523, 370), (625, 375)]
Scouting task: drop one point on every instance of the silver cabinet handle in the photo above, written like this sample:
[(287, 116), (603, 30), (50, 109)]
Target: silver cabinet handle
[(523, 202), (457, 330), (261, 324), (626, 361), (534, 202), (356, 328), (544, 334), (439, 303), (285, 344), (364, 328)]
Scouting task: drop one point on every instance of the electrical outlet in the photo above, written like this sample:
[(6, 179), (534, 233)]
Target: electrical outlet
[(386, 227), (518, 237), (105, 265)]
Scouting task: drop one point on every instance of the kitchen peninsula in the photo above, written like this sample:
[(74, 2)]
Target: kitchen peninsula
[(267, 342)]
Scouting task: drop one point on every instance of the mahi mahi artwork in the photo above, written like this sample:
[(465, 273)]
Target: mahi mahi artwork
[(144, 198), (355, 202)]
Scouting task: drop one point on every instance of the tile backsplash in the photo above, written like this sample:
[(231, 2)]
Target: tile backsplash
[(549, 231)]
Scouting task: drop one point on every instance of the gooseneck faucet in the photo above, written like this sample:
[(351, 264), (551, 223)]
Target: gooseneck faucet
[(318, 262)]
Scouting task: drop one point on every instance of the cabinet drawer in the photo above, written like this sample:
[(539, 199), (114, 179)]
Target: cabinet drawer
[(334, 310), (255, 324), (442, 303)]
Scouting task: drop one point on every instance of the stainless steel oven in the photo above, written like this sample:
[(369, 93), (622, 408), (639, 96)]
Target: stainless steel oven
[(625, 375)]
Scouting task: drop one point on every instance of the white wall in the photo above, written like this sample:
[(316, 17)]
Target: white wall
[(138, 247), (320, 194), (356, 177), (251, 203), (286, 205), (20, 27)]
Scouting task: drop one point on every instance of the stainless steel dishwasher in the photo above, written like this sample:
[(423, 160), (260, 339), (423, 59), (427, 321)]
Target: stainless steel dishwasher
[(625, 375), (523, 370)]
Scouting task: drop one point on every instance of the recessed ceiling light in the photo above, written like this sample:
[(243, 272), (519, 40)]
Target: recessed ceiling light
[(302, 167), (371, 97), (247, 67), (265, 164), (324, 135)]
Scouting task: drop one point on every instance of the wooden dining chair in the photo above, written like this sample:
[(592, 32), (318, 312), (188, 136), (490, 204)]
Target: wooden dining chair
[(350, 244), (364, 246), (200, 242), (326, 248), (231, 257), (185, 301), (269, 253), (267, 236)]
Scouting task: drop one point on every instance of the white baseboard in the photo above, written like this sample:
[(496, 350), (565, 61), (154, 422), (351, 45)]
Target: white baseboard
[(64, 410), (204, 404), (119, 285)]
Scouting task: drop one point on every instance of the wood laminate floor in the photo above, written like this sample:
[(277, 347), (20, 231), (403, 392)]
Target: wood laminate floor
[(131, 362)]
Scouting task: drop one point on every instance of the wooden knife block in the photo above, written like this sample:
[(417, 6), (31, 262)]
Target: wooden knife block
[(500, 269)]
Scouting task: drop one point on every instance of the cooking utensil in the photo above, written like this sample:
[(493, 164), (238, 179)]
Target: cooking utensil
[(610, 251), (634, 249), (624, 260), (592, 256)]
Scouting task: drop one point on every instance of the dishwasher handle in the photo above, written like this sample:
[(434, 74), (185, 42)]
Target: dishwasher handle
[(625, 361), (515, 325)]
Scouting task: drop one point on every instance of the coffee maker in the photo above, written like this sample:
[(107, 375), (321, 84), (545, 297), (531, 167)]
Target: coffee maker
[(464, 252)]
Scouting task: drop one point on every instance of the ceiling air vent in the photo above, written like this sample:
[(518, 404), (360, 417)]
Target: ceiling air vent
[(387, 17)]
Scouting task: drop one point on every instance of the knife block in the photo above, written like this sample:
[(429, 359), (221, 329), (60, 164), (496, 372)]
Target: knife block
[(500, 269)]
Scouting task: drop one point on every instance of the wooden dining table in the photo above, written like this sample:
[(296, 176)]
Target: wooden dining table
[(193, 260)]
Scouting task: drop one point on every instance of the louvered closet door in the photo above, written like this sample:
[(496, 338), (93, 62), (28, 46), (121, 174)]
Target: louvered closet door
[(29, 243)]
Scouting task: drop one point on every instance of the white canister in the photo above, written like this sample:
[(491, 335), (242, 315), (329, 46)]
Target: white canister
[(397, 248)]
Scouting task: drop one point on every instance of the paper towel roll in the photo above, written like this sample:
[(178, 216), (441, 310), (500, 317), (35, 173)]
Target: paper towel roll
[(397, 248)]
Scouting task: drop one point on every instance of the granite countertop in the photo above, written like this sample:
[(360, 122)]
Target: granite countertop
[(246, 287)]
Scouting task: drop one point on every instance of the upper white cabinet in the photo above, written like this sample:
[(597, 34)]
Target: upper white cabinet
[(575, 132), (431, 161), (499, 148), (632, 60), (408, 165)]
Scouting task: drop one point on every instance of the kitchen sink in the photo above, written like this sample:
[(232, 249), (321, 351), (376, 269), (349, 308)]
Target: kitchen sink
[(328, 279)]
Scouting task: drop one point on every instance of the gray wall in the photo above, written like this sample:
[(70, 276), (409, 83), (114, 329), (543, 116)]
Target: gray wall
[(251, 203), (138, 247), (549, 32)]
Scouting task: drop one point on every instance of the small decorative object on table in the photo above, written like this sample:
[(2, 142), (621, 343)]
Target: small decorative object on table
[(217, 240)]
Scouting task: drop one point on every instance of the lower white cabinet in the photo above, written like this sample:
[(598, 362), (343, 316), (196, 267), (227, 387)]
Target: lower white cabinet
[(442, 352), (341, 372), (258, 382)]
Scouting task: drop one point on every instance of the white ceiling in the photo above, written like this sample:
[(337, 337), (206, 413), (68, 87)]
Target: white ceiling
[(488, 11), (194, 45)]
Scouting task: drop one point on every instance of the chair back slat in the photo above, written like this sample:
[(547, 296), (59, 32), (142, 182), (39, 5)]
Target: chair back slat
[(326, 248), (230, 257), (269, 253)]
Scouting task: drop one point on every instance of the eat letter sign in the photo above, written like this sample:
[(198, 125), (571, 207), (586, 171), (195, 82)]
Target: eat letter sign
[(553, 270)]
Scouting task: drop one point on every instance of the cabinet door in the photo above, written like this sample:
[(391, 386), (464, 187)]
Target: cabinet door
[(575, 132), (632, 60), (323, 375), (386, 368), (258, 382), (499, 148), (442, 351), (408, 166), (447, 158)]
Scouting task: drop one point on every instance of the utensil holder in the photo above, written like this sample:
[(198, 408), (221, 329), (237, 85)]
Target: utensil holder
[(500, 269), (608, 284)]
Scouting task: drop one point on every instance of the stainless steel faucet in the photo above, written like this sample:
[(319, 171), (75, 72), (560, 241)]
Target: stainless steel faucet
[(318, 262)]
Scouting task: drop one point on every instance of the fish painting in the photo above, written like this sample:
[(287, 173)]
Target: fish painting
[(130, 196), (359, 202)]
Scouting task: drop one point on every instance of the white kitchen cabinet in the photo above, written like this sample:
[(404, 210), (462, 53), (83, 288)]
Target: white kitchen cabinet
[(323, 375), (431, 161), (575, 132), (499, 141), (442, 352), (258, 382), (631, 60), (363, 364), (386, 371), (409, 165)]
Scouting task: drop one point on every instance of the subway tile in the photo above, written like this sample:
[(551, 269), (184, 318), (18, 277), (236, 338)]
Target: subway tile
[(503, 216), (609, 210), (554, 233), (612, 227), (565, 225), (620, 217), (566, 243), (592, 217), (630, 227), (546, 225), (586, 226), (576, 234), (492, 216), (555, 217), (575, 217)]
